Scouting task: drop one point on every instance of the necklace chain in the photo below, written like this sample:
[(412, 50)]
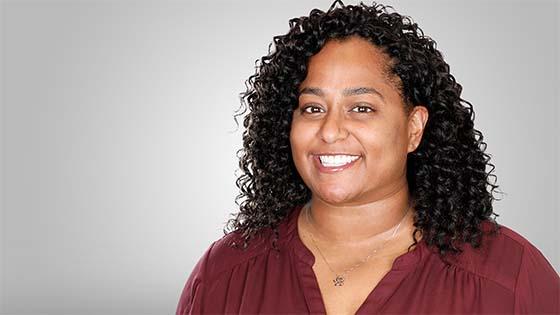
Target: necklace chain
[(339, 278)]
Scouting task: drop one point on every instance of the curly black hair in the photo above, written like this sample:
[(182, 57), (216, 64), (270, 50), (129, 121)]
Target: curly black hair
[(446, 174)]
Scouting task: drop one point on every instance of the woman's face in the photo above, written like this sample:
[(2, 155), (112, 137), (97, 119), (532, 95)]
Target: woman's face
[(350, 135)]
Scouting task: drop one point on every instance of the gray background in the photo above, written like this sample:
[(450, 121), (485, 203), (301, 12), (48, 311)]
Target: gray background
[(118, 140)]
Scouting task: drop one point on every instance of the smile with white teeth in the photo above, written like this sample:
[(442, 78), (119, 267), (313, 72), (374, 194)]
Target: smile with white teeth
[(337, 160)]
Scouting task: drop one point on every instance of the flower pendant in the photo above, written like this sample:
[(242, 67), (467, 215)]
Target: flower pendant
[(338, 281)]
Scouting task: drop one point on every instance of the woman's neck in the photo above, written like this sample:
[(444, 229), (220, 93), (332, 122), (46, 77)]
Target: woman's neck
[(356, 225)]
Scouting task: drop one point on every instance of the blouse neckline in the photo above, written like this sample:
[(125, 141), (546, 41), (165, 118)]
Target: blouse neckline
[(402, 266), (404, 261)]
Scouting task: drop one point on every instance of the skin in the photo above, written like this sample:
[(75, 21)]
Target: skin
[(360, 206)]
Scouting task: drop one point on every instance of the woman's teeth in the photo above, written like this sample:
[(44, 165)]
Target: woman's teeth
[(337, 160)]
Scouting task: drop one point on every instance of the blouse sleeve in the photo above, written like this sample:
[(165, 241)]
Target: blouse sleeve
[(192, 297), (537, 290)]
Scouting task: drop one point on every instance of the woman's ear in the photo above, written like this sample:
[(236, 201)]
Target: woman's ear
[(416, 123)]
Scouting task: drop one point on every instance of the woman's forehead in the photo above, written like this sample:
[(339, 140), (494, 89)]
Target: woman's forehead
[(341, 66), (352, 50)]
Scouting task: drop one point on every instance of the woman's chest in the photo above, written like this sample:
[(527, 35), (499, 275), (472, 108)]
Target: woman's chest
[(290, 284), (346, 293)]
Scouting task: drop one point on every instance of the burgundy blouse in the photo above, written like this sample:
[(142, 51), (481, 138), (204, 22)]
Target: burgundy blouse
[(506, 275)]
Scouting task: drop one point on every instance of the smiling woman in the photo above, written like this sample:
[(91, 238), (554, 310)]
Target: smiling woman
[(364, 186), (333, 123)]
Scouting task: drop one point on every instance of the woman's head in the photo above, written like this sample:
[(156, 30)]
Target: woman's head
[(351, 113), (424, 113)]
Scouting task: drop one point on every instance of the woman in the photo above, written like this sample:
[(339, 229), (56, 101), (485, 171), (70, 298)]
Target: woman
[(364, 186)]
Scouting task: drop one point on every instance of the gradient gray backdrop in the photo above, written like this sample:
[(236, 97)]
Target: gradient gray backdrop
[(118, 140)]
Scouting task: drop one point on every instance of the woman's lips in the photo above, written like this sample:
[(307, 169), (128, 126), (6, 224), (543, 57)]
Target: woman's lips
[(334, 169)]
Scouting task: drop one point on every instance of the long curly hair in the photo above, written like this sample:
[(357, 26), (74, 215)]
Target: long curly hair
[(446, 174)]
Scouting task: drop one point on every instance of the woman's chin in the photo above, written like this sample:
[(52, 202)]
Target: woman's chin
[(335, 195)]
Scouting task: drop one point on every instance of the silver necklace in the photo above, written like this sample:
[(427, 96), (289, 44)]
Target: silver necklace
[(340, 277)]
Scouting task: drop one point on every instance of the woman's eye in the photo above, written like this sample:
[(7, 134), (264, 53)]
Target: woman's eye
[(362, 109), (310, 109), (315, 109)]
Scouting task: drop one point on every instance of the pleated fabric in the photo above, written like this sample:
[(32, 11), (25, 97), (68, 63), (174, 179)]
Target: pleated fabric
[(506, 275)]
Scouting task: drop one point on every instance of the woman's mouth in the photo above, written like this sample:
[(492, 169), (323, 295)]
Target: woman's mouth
[(334, 163)]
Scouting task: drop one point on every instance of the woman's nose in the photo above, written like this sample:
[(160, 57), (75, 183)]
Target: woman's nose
[(333, 127)]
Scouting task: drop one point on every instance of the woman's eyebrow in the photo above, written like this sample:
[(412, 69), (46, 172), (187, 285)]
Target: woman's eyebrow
[(345, 92)]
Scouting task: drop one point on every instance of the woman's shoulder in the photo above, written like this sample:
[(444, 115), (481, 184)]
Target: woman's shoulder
[(227, 252), (218, 258), (226, 258), (507, 257)]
